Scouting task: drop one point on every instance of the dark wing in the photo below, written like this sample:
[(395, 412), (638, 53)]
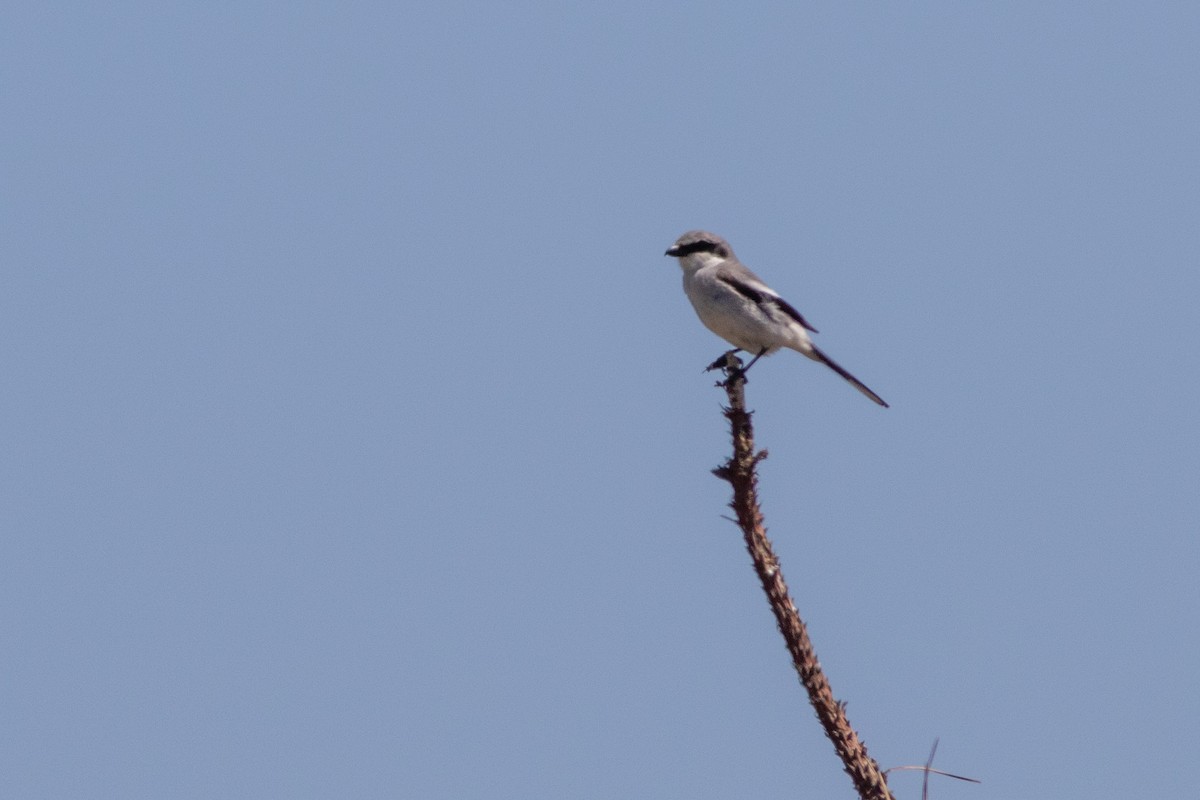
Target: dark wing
[(762, 298)]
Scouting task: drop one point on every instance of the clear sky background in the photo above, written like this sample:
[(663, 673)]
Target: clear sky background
[(355, 440)]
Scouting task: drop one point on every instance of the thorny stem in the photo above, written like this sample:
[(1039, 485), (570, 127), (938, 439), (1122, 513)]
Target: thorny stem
[(741, 473)]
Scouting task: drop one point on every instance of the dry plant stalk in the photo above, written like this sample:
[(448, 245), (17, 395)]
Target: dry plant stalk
[(741, 472)]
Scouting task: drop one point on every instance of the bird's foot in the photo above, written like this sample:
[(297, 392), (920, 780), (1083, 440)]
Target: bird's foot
[(727, 361), (732, 366)]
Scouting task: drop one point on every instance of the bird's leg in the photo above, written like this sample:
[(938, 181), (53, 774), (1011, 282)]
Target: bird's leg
[(746, 368), (726, 360), (737, 372)]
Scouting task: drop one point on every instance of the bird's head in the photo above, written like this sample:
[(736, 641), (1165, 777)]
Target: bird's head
[(700, 246)]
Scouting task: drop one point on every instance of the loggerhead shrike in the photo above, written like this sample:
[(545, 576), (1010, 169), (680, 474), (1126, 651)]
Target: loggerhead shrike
[(736, 305)]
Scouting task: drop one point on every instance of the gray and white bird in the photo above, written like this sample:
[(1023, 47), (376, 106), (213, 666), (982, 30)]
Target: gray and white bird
[(736, 305)]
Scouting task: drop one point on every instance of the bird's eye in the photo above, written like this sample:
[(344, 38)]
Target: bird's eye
[(702, 246)]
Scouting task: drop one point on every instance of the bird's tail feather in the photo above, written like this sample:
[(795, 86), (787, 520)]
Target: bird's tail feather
[(836, 367)]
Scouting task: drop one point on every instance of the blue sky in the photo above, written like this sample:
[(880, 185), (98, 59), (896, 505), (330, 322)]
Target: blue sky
[(356, 442)]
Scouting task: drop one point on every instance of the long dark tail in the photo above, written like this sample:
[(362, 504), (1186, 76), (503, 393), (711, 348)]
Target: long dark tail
[(836, 367)]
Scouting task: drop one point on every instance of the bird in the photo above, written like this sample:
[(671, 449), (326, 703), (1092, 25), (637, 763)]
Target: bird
[(738, 306)]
